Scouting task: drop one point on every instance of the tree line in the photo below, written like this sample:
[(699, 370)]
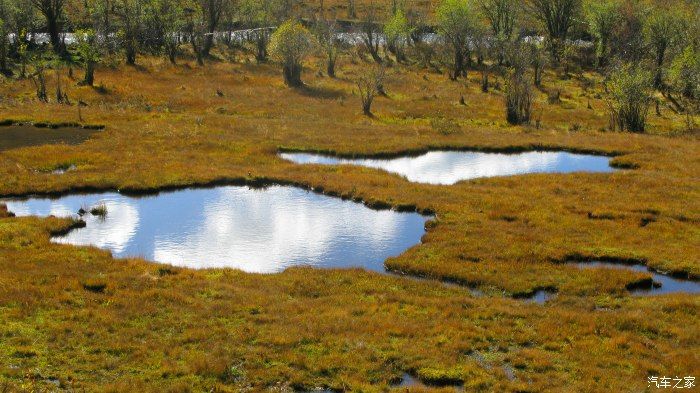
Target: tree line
[(640, 46)]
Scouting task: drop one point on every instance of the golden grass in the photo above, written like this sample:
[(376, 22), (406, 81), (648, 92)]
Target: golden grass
[(148, 329)]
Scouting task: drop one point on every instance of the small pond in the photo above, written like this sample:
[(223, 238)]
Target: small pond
[(450, 167), (256, 230), (12, 137), (663, 283)]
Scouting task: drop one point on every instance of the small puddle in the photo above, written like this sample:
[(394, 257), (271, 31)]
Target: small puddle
[(541, 296), (12, 137), (408, 381), (663, 283), (450, 167), (256, 230)]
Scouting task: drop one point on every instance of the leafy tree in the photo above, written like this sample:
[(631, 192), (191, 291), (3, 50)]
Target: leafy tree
[(502, 16), (629, 97), (4, 44), (557, 18), (90, 50), (53, 11), (628, 39), (398, 33), (603, 17), (131, 13), (685, 73), (261, 15), (456, 22), (662, 30), (290, 44), (212, 11)]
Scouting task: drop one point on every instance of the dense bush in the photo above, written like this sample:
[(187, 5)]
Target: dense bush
[(629, 97)]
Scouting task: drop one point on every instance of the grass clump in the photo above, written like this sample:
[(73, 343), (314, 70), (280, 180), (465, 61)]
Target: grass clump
[(99, 210)]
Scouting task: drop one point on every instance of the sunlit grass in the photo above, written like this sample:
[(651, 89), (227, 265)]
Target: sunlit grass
[(77, 314)]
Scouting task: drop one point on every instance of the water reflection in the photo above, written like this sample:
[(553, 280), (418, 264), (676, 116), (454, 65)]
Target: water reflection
[(664, 283), (256, 230), (449, 167)]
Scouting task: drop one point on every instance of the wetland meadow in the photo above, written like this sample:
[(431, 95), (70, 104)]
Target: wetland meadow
[(232, 196)]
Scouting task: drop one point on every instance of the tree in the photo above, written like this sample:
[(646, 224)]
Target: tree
[(398, 34), (501, 16), (519, 96), (629, 97), (370, 31), (662, 30), (90, 50), (4, 45), (557, 17), (370, 84), (290, 44), (261, 15), (602, 17), (628, 39), (169, 20), (212, 11), (131, 13), (326, 34), (685, 73), (53, 12), (456, 20)]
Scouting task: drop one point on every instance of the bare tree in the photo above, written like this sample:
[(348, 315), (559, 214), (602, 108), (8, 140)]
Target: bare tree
[(326, 33), (371, 33), (53, 12)]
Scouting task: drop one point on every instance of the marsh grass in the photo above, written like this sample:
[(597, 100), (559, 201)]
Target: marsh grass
[(347, 329)]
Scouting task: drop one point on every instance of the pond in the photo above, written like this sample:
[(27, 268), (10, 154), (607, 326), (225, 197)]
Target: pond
[(263, 230), (450, 167), (663, 283), (12, 137)]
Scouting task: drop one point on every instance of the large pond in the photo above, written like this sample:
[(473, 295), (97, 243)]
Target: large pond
[(663, 283), (449, 167), (12, 137), (255, 230)]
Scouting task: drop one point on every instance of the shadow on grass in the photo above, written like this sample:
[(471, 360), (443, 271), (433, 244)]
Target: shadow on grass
[(320, 92)]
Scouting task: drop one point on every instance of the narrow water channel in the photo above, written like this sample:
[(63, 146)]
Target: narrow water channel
[(450, 167)]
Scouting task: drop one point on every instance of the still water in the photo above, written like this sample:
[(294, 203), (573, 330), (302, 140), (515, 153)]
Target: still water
[(449, 167), (667, 283), (255, 230)]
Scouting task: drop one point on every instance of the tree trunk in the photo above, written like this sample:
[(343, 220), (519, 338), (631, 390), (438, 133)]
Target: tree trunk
[(54, 33), (658, 77), (172, 55), (3, 54), (330, 68), (458, 69), (292, 75), (89, 74)]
